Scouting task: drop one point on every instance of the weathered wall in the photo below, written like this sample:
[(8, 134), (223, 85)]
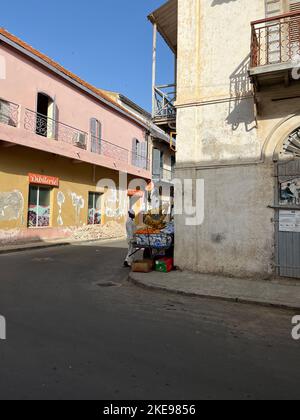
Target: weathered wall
[(69, 202), (221, 139), (237, 235)]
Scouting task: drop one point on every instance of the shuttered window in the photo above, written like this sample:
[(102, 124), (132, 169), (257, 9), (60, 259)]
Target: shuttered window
[(294, 6), (139, 153), (156, 163), (273, 8), (96, 135)]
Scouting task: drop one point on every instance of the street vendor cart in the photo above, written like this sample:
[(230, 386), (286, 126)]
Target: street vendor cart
[(155, 242)]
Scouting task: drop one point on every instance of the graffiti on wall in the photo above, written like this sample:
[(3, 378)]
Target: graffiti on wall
[(11, 205), (78, 204), (115, 203), (60, 201)]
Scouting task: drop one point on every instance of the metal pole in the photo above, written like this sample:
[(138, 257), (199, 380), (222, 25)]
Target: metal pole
[(154, 68)]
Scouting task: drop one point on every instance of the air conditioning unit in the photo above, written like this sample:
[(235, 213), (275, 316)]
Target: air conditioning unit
[(80, 140)]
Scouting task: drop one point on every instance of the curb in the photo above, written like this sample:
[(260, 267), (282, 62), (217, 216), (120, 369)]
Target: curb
[(143, 285), (55, 245)]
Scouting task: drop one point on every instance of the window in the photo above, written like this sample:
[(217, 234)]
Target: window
[(95, 216), (39, 206), (139, 154), (156, 164), (96, 135)]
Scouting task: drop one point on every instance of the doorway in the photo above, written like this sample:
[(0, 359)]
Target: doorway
[(45, 119), (288, 218)]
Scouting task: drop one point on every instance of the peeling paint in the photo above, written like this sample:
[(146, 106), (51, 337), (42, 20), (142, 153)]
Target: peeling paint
[(60, 201), (11, 205), (115, 204), (78, 204)]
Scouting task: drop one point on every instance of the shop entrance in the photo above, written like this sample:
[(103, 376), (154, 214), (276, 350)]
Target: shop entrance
[(288, 209)]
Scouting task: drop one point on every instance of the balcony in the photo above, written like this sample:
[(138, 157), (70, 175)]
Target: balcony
[(164, 109), (275, 49), (110, 150), (55, 130), (42, 133), (165, 175), (9, 113)]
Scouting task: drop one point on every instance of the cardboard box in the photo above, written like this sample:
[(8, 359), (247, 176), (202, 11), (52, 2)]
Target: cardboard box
[(143, 266)]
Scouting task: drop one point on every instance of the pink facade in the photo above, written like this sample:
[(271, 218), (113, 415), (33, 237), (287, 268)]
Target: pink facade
[(73, 109)]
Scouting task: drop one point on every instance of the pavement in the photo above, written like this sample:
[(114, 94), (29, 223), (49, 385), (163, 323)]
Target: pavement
[(7, 249), (283, 293), (78, 330)]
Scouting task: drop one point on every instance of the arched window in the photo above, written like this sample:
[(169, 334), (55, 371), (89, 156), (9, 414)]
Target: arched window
[(96, 135)]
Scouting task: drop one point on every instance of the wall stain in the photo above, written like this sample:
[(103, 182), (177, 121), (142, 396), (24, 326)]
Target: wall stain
[(60, 201), (11, 205), (78, 204)]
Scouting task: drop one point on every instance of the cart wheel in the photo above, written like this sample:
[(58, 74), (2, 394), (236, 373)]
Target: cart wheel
[(147, 254)]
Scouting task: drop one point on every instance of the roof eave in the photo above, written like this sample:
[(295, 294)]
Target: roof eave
[(69, 79)]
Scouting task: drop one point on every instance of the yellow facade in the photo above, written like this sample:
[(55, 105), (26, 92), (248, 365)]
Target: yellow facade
[(68, 202)]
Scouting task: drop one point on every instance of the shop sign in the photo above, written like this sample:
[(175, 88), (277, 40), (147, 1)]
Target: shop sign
[(289, 221), (37, 179)]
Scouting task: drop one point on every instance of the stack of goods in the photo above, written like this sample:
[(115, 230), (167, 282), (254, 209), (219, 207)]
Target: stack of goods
[(155, 237), (169, 229)]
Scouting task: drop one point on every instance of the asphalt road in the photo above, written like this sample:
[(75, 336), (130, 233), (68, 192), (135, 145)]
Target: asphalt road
[(76, 329)]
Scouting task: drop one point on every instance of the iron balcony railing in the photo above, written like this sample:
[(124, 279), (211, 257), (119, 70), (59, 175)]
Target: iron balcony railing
[(276, 40), (113, 151), (105, 148), (55, 130), (9, 113), (52, 129), (165, 96), (164, 175)]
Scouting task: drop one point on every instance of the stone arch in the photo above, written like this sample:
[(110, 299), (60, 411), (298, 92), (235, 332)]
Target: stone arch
[(279, 143)]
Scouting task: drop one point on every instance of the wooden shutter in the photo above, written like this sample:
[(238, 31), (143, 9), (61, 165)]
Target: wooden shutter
[(134, 151), (93, 127), (144, 155), (294, 6), (273, 8), (156, 163)]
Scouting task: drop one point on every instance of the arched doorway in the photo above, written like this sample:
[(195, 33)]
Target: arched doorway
[(288, 207)]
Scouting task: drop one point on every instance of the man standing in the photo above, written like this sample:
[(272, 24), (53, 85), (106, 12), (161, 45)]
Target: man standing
[(130, 230)]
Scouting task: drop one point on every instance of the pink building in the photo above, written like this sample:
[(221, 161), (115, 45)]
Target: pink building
[(59, 128)]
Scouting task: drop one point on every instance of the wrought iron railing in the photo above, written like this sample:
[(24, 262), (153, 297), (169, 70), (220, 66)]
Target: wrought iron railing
[(164, 175), (111, 150), (139, 161), (165, 97), (9, 113), (276, 40), (55, 130), (52, 129), (105, 148)]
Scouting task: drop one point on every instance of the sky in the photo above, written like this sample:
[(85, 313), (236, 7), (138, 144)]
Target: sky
[(108, 43)]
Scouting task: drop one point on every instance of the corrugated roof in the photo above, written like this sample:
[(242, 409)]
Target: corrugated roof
[(60, 68), (166, 19)]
